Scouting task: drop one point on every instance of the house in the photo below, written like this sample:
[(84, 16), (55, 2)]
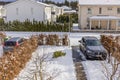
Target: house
[(28, 9), (67, 10), (99, 14), (2, 10), (56, 12)]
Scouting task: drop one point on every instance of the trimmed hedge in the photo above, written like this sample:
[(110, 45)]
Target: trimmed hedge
[(33, 26)]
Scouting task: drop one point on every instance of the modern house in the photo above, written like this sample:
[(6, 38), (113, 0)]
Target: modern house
[(99, 14), (56, 12), (28, 9), (2, 9)]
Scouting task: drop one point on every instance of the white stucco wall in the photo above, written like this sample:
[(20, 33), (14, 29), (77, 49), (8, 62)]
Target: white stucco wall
[(25, 9)]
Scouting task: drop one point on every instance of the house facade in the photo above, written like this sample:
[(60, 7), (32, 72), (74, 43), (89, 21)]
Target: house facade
[(99, 14), (56, 12), (28, 9), (2, 11)]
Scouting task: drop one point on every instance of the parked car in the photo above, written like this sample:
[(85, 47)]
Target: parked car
[(11, 43), (92, 48)]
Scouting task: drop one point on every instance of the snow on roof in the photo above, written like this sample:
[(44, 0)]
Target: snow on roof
[(42, 3), (70, 11), (104, 17), (32, 1), (99, 2), (66, 7)]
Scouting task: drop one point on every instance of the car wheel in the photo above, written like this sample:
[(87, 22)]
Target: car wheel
[(87, 57), (103, 58), (80, 48)]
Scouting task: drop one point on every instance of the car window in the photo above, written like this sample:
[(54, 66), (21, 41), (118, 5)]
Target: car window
[(10, 43), (20, 41), (93, 42)]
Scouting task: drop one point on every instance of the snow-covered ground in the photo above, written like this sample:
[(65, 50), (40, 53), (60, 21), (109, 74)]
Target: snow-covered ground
[(94, 69), (60, 68)]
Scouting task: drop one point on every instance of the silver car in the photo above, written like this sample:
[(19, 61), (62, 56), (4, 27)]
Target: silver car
[(92, 48)]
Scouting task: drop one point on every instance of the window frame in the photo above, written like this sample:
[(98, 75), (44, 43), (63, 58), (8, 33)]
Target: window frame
[(118, 10), (89, 10)]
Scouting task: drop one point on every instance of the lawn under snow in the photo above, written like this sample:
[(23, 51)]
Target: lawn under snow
[(61, 68)]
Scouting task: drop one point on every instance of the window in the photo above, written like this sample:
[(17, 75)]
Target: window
[(118, 10), (119, 23), (100, 10), (32, 11), (89, 11), (16, 11), (109, 8)]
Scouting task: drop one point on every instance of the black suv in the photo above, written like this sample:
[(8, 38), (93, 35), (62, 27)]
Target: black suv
[(11, 43), (92, 48)]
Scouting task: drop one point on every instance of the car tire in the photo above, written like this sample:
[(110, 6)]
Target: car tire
[(80, 48)]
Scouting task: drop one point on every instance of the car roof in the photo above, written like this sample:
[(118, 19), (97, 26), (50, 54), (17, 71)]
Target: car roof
[(90, 38), (14, 39)]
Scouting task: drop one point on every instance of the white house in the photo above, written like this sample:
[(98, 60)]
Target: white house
[(56, 11), (99, 14), (28, 9), (2, 11)]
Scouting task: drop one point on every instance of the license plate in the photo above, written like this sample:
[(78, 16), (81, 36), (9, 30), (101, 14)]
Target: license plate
[(98, 55)]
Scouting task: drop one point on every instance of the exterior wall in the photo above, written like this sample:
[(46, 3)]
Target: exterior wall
[(57, 12), (24, 9), (2, 12), (47, 14), (83, 14)]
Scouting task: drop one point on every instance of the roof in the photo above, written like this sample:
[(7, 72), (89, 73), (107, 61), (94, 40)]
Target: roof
[(99, 2), (66, 7), (14, 39), (104, 17), (42, 3), (71, 11), (32, 1)]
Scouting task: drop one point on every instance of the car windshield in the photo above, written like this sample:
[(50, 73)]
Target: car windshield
[(9, 43), (93, 42)]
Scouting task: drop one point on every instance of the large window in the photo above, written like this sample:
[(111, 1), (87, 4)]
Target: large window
[(89, 11), (100, 10), (118, 10), (119, 23), (32, 11)]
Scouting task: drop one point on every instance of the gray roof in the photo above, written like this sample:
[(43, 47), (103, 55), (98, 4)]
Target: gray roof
[(99, 2)]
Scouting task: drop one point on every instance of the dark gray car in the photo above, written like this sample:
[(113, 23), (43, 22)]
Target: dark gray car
[(11, 43), (92, 48)]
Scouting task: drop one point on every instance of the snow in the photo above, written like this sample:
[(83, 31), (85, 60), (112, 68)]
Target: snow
[(64, 65), (99, 2), (104, 17)]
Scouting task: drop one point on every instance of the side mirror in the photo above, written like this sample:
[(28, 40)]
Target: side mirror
[(79, 41)]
